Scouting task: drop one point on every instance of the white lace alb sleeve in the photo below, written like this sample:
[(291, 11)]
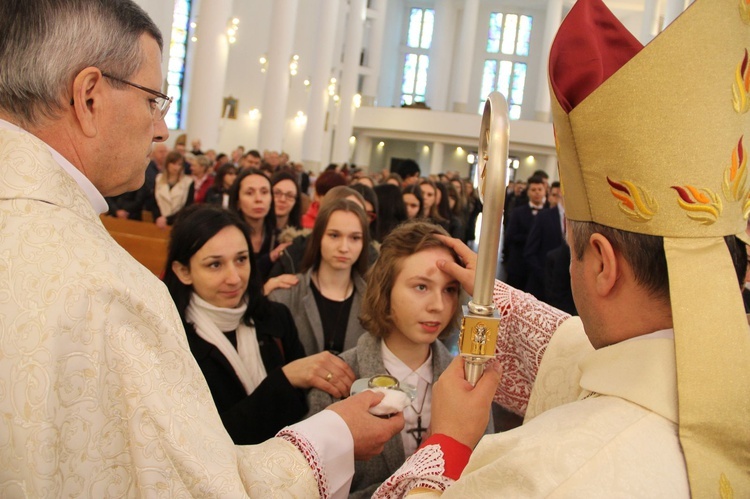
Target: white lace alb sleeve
[(423, 470), (526, 326)]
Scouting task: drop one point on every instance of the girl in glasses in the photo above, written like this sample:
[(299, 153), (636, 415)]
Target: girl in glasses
[(286, 200)]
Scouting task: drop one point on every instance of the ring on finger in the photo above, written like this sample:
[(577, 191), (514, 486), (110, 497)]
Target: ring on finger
[(329, 377)]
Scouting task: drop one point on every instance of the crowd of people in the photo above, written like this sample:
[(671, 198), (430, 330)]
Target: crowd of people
[(280, 201), (271, 283), (207, 177), (232, 376)]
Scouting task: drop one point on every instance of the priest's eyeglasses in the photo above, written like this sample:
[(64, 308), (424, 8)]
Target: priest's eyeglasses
[(161, 101)]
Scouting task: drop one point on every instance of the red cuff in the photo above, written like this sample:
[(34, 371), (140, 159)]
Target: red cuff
[(455, 454)]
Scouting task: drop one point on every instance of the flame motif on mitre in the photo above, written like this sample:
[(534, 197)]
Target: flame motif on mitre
[(702, 205), (735, 176), (741, 86), (637, 204)]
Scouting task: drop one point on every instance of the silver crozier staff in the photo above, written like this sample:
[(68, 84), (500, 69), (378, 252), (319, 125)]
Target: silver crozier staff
[(481, 321)]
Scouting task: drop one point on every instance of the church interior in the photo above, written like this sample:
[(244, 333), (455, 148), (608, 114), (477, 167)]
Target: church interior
[(369, 81)]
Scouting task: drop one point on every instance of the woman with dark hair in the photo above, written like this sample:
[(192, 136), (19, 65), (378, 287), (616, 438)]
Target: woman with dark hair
[(251, 197), (413, 202), (286, 199), (452, 221), (218, 194), (460, 206), (431, 196), (325, 303), (391, 209), (246, 346)]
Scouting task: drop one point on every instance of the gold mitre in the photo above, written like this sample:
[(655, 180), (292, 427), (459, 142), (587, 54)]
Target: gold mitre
[(661, 146), (655, 140)]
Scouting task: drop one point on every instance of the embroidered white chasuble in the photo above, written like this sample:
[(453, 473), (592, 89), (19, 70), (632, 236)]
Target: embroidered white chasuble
[(614, 436)]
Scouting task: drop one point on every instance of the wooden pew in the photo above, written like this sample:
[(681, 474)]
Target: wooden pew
[(144, 241)]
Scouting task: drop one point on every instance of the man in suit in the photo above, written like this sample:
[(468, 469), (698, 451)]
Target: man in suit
[(521, 219), (546, 234)]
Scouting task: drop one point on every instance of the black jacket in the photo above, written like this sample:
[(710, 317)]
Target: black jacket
[(545, 235), (275, 403), (519, 226)]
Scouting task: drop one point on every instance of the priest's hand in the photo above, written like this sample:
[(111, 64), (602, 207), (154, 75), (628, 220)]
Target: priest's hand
[(465, 274), (370, 433), (459, 410)]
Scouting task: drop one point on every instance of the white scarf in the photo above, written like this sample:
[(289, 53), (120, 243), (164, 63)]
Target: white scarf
[(210, 321)]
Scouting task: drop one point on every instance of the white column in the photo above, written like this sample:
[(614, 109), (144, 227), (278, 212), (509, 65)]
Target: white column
[(436, 158), (551, 24), (375, 49), (312, 142), (363, 152), (674, 8), (349, 78), (207, 84), (276, 92), (466, 49), (648, 22), (441, 54)]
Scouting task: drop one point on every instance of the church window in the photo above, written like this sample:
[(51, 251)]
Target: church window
[(416, 59), (176, 68), (506, 57)]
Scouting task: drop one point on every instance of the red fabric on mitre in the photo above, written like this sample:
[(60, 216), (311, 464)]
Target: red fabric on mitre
[(590, 46)]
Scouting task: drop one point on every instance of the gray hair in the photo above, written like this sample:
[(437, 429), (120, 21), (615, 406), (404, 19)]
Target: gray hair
[(204, 161), (46, 43)]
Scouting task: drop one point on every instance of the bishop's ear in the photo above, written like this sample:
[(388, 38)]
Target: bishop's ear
[(604, 264), (183, 273)]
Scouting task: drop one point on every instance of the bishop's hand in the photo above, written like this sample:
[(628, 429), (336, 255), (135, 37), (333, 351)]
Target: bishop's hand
[(459, 410)]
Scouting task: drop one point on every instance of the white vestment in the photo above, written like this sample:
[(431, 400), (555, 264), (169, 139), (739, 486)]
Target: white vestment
[(619, 439), (99, 393)]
